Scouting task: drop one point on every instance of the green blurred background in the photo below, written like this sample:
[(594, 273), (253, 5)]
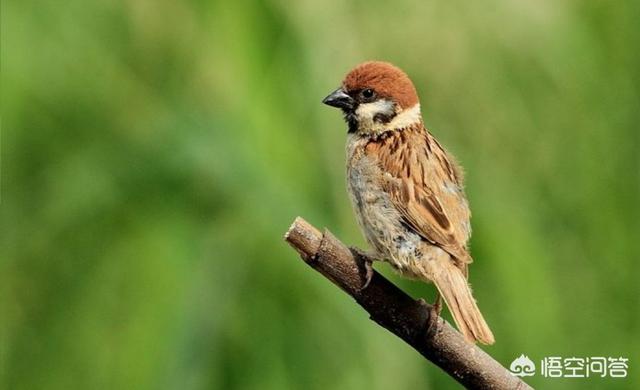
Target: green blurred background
[(154, 153)]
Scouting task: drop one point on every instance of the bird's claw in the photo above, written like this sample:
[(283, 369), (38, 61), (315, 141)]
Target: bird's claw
[(437, 305), (367, 263), (433, 315), (368, 273)]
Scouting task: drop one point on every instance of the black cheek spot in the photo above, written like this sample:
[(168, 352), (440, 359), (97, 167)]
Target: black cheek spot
[(383, 118)]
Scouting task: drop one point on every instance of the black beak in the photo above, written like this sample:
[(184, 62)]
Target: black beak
[(340, 99)]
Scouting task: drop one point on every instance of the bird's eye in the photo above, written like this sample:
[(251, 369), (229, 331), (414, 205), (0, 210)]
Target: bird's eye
[(368, 93)]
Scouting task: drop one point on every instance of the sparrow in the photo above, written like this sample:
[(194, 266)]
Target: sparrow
[(407, 190)]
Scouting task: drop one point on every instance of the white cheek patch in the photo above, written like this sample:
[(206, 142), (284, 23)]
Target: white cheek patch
[(367, 111), (406, 118)]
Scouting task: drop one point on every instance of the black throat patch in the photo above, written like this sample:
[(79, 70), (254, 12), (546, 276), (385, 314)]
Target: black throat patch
[(351, 119)]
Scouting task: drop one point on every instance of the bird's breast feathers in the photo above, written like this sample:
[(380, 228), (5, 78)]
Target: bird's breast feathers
[(421, 181)]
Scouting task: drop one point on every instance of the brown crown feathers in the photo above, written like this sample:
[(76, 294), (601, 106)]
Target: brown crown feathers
[(385, 79)]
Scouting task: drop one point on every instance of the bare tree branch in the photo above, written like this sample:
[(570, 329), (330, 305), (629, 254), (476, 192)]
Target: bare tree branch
[(413, 321)]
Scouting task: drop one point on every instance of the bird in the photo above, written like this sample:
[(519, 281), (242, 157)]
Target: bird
[(406, 190)]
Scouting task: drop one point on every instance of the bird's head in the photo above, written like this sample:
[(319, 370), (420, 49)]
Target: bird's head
[(376, 97)]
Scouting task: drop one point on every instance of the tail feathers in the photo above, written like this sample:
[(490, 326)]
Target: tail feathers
[(455, 290)]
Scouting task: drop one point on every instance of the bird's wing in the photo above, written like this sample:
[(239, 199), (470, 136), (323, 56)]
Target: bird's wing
[(425, 185)]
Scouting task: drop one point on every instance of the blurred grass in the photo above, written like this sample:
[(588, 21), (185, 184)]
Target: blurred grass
[(154, 153)]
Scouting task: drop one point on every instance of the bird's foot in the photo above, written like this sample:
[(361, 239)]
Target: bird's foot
[(433, 316), (367, 261), (437, 305)]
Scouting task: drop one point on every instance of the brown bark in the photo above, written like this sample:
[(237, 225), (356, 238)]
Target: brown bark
[(413, 321)]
